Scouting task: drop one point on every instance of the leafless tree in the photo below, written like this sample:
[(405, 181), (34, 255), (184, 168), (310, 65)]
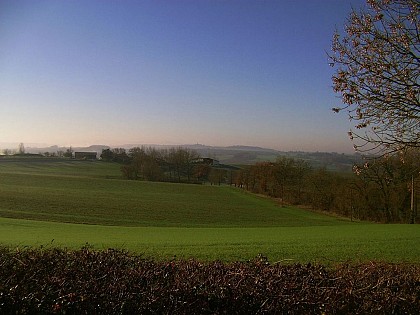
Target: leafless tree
[(7, 152), (386, 184), (377, 61), (21, 149)]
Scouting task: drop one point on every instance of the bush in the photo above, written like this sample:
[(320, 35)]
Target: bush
[(54, 281)]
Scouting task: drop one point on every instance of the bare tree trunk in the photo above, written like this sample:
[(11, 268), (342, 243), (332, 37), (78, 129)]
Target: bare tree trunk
[(413, 217)]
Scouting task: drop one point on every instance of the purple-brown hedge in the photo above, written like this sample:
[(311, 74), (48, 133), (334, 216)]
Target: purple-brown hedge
[(86, 281)]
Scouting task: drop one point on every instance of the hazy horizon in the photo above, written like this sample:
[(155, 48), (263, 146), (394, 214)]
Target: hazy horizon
[(14, 146), (161, 72)]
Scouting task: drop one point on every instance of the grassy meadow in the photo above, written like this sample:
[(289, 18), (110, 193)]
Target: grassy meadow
[(67, 203)]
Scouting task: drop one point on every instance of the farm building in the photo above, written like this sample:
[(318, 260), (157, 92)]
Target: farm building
[(85, 155), (207, 161)]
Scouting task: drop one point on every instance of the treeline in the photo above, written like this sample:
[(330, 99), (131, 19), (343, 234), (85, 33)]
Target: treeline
[(379, 190), (21, 151), (179, 165)]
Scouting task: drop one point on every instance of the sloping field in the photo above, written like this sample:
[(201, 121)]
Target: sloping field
[(43, 204), (58, 166), (51, 192)]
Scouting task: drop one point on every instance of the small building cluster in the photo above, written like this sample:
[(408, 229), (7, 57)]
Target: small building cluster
[(207, 161), (85, 155)]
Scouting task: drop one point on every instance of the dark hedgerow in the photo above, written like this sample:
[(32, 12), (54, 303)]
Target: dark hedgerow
[(57, 281)]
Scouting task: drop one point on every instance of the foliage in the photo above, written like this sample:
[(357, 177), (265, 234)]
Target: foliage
[(151, 164), (118, 155), (116, 282), (384, 184), (217, 176), (21, 149), (322, 189), (379, 190), (68, 153), (7, 152), (378, 69)]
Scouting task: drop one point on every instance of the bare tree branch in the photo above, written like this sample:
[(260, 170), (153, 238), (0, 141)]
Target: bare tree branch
[(378, 75)]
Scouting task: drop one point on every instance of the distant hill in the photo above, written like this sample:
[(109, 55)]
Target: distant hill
[(235, 155), (247, 155), (330, 160), (55, 148)]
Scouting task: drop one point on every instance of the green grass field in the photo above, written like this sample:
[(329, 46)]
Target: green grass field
[(324, 244), (43, 202)]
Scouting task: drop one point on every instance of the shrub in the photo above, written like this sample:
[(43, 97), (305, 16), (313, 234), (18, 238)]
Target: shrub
[(54, 281)]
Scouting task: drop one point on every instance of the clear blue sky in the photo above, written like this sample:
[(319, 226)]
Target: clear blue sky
[(171, 72)]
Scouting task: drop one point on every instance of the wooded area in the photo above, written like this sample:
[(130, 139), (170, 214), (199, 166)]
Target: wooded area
[(382, 189), (180, 165)]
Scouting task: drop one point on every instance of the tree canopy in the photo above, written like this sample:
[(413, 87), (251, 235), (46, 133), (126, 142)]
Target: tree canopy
[(377, 62)]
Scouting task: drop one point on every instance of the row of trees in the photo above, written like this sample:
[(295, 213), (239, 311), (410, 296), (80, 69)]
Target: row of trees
[(60, 153), (20, 151), (174, 165), (380, 190)]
